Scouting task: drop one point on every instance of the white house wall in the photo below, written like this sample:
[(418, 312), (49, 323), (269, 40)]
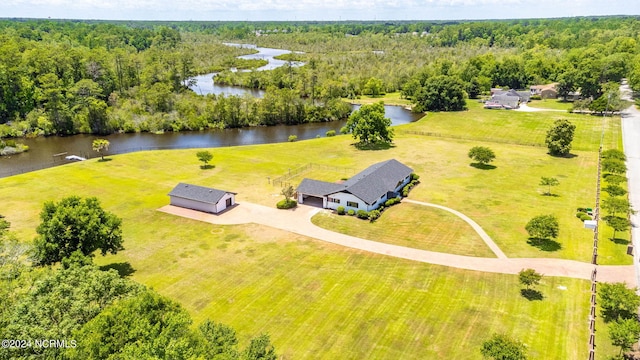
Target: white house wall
[(222, 204), (192, 204), (344, 198)]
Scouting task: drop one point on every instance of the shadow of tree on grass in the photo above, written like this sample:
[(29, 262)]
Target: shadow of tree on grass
[(124, 269), (531, 294), (104, 160), (483, 166), (620, 241), (374, 146), (207, 167), (566, 156), (545, 244)]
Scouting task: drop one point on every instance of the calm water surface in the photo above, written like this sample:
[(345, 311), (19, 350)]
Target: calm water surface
[(50, 151)]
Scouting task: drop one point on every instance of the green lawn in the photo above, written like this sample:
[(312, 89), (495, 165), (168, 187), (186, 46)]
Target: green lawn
[(389, 99), (414, 226), (515, 127), (320, 300), (552, 104)]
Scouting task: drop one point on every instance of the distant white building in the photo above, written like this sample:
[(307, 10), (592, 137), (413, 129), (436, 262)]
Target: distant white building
[(366, 190)]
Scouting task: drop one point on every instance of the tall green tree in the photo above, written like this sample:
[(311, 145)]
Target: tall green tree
[(260, 348), (617, 301), (481, 155), (616, 205), (220, 341), (624, 333), (369, 126), (529, 277), (559, 137), (617, 223), (441, 93), (543, 227), (59, 302), (75, 224), (146, 326), (614, 166), (503, 347)]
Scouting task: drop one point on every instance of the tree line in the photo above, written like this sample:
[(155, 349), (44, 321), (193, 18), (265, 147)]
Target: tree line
[(67, 77), (63, 78)]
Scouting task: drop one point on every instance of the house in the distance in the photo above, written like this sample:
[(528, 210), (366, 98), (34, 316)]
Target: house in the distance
[(366, 190), (547, 91), (201, 198), (510, 99)]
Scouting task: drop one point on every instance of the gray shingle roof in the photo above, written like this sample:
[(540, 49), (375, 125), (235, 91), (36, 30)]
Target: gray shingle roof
[(369, 184), (377, 179), (198, 193), (318, 188)]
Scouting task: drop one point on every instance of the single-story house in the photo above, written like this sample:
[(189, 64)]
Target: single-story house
[(201, 198), (510, 99), (366, 190), (547, 91)]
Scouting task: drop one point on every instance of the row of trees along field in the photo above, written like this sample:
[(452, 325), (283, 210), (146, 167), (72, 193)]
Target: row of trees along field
[(67, 77)]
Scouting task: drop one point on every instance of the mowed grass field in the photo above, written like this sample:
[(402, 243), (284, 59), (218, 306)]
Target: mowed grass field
[(516, 127), (414, 226), (317, 300)]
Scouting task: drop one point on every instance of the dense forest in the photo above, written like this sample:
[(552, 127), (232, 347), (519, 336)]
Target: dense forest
[(68, 77)]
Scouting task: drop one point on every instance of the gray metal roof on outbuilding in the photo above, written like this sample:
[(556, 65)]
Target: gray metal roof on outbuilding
[(198, 193)]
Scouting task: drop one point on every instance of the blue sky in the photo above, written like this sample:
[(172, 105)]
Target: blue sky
[(313, 9)]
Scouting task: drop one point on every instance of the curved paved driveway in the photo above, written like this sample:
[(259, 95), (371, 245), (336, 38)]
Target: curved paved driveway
[(485, 237), (298, 221)]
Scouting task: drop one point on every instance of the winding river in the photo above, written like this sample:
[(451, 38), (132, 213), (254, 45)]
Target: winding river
[(51, 151)]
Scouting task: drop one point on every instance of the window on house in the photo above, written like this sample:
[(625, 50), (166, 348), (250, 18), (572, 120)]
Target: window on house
[(352, 204), (334, 200)]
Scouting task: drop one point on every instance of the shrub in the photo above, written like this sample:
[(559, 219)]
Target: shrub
[(286, 204), (414, 177), (374, 215), (392, 201), (293, 138), (535, 97), (615, 190), (331, 133), (614, 154), (583, 216), (614, 179), (351, 212), (362, 214), (340, 210)]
